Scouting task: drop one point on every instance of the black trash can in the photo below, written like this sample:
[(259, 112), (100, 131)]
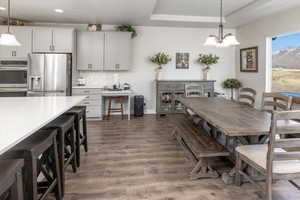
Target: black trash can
[(139, 106)]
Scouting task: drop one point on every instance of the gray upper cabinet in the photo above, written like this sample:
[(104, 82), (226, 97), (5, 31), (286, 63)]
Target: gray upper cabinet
[(109, 51), (23, 35), (90, 50), (52, 40), (118, 51)]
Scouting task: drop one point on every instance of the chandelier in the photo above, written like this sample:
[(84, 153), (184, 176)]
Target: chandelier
[(221, 40)]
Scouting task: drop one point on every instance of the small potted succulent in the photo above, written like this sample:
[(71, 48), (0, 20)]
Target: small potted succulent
[(232, 84), (127, 28), (160, 59), (206, 60)]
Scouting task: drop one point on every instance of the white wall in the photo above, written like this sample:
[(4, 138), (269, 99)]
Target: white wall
[(151, 40), (255, 34), (170, 40)]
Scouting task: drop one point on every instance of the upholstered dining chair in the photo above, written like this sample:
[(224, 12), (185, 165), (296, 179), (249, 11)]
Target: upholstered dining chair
[(247, 96), (272, 159), (274, 101)]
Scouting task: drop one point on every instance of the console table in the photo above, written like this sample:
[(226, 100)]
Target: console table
[(167, 91)]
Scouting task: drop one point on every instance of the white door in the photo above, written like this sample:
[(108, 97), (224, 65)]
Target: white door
[(90, 50), (42, 40), (117, 51), (63, 40), (23, 35)]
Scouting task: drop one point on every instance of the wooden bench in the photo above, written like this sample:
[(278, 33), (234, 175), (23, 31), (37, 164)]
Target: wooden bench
[(199, 147)]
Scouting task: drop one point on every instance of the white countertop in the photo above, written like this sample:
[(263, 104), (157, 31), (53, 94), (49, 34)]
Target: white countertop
[(22, 116), (87, 87), (121, 92)]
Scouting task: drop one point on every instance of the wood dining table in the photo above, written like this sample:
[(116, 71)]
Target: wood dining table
[(240, 123)]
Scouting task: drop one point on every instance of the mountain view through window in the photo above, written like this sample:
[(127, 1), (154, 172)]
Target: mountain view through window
[(286, 63)]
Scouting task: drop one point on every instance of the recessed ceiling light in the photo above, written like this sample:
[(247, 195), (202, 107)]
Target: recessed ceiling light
[(58, 10), (2, 8)]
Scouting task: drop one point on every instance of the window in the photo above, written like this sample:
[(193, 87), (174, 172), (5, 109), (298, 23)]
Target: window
[(286, 63)]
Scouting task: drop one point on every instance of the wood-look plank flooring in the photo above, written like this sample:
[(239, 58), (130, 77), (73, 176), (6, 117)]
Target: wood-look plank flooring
[(139, 160)]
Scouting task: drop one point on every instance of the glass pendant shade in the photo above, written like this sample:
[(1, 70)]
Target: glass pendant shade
[(211, 41), (8, 39), (231, 40)]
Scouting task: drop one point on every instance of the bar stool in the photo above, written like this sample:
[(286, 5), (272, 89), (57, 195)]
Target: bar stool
[(11, 183), (117, 99), (39, 152), (66, 143), (79, 112)]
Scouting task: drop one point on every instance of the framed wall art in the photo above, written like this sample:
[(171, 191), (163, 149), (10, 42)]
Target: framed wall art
[(182, 60), (249, 59)]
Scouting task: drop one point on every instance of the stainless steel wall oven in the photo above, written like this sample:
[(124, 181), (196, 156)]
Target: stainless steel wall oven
[(13, 76)]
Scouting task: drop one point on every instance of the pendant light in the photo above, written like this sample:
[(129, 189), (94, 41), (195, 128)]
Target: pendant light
[(8, 39), (221, 40)]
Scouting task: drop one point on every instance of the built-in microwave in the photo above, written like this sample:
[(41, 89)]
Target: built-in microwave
[(13, 73)]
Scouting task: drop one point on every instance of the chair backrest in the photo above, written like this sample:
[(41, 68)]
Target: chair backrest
[(274, 101), (247, 96), (283, 123)]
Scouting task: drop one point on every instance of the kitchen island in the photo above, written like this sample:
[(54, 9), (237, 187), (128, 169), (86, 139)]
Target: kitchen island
[(22, 116)]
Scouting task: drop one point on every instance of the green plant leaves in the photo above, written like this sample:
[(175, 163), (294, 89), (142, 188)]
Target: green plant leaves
[(207, 59), (160, 59), (127, 28), (232, 83)]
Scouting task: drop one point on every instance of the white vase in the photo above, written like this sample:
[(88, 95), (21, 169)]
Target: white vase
[(205, 75), (158, 74)]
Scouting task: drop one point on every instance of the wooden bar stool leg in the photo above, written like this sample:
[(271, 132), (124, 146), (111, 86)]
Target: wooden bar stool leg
[(56, 171), (77, 124), (17, 188), (122, 112), (61, 158), (30, 176), (73, 149), (85, 132), (109, 109)]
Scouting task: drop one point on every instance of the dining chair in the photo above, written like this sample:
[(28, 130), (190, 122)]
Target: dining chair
[(272, 160), (274, 101), (247, 96)]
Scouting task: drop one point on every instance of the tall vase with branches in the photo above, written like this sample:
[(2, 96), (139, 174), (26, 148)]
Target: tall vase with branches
[(207, 60), (232, 84), (160, 59)]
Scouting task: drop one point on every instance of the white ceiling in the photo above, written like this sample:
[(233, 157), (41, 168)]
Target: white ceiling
[(198, 7), (187, 13)]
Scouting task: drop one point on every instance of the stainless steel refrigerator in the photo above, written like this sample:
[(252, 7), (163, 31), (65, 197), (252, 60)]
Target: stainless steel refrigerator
[(50, 75)]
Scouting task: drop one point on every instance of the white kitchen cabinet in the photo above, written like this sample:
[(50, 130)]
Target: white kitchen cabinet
[(90, 50), (63, 40), (92, 101), (42, 40), (24, 36), (52, 40), (118, 51)]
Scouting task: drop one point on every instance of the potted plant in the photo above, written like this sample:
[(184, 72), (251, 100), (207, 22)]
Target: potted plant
[(160, 59), (127, 28), (206, 60), (232, 84)]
